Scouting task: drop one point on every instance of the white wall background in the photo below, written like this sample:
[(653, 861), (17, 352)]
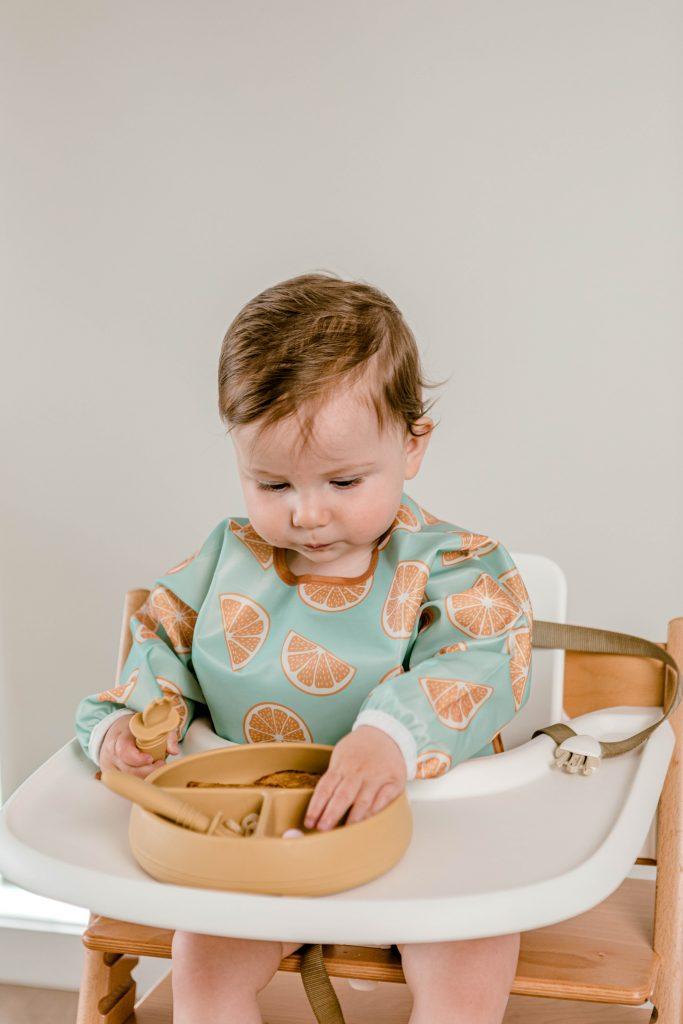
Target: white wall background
[(508, 172)]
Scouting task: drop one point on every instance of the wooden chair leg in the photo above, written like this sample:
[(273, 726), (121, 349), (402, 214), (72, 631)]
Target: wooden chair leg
[(107, 994), (668, 921)]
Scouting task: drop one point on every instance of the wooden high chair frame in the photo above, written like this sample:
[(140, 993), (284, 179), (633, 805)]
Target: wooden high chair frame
[(597, 967)]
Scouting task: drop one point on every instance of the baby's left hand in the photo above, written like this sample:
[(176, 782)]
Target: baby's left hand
[(366, 772)]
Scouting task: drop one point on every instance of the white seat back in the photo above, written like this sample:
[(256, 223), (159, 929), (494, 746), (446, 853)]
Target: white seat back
[(547, 588)]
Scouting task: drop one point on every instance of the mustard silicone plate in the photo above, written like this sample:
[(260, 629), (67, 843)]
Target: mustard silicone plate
[(314, 864)]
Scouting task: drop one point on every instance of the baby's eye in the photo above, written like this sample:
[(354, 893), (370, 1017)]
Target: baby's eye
[(344, 484)]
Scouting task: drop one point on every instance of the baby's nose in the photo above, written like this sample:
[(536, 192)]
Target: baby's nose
[(310, 515)]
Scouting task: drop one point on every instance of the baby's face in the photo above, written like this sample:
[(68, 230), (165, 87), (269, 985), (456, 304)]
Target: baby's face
[(329, 501)]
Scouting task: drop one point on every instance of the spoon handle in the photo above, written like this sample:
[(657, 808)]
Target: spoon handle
[(153, 798)]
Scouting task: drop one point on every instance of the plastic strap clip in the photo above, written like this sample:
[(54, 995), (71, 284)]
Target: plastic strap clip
[(579, 754)]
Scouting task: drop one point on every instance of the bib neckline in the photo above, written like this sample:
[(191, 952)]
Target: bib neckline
[(287, 576)]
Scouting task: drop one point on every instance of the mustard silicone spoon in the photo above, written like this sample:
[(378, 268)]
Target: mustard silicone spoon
[(157, 800)]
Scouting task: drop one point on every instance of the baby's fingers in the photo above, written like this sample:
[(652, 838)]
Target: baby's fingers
[(343, 797), (321, 794), (126, 750), (172, 744), (363, 803), (383, 797)]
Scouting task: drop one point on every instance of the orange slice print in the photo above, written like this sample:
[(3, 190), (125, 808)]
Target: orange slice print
[(452, 648), (181, 565), (455, 701), (402, 605), (519, 648), (312, 668), (484, 609), (177, 618), (246, 625), (471, 545), (432, 763), (405, 520), (512, 579), (429, 519), (142, 633), (333, 597), (398, 671), (120, 694), (260, 549), (144, 615), (172, 690), (274, 723)]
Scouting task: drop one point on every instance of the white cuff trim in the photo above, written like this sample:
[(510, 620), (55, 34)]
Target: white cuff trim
[(100, 731), (402, 736)]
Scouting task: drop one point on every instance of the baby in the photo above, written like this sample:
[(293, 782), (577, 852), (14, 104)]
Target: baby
[(338, 612)]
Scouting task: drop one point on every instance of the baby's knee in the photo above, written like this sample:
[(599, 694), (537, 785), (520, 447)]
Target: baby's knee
[(239, 963), (447, 964), (191, 949)]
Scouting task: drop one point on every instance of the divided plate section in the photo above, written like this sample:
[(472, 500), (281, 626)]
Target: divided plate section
[(285, 808), (234, 803)]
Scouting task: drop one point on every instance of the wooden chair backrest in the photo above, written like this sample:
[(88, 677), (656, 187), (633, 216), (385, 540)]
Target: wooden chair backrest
[(594, 681)]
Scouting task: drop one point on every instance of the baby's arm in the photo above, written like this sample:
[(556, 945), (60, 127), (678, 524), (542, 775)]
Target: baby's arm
[(469, 668), (468, 673), (158, 664)]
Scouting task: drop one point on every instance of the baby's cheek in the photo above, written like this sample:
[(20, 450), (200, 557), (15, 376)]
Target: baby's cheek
[(268, 524)]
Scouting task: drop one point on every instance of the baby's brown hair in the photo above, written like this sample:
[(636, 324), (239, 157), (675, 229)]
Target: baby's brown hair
[(294, 343)]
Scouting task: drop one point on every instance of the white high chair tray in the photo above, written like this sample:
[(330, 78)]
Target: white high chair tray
[(500, 844)]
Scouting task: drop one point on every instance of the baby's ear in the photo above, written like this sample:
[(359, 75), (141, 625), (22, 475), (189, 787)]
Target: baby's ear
[(416, 445)]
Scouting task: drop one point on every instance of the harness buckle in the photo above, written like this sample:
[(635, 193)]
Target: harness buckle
[(579, 754)]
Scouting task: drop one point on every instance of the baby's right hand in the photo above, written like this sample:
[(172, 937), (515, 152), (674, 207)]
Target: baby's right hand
[(119, 750)]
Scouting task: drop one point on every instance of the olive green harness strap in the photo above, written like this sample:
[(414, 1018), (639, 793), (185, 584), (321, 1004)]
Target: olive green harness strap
[(321, 995), (545, 635), (558, 635)]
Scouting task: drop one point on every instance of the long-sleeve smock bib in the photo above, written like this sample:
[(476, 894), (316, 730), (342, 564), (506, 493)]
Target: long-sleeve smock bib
[(431, 644)]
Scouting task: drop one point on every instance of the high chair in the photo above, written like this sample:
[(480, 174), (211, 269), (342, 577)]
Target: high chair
[(601, 965)]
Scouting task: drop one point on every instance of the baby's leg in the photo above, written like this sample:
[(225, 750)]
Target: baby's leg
[(215, 980), (466, 982)]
